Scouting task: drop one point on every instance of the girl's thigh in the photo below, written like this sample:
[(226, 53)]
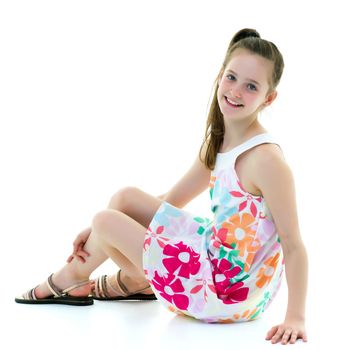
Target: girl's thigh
[(136, 203)]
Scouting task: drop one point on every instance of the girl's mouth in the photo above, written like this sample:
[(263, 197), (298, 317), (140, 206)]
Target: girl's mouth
[(233, 104)]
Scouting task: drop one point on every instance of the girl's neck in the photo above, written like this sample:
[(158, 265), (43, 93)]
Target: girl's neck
[(237, 133)]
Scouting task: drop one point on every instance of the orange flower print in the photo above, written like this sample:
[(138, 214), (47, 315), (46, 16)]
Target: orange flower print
[(267, 271), (246, 315), (251, 255), (240, 232), (176, 311), (225, 320)]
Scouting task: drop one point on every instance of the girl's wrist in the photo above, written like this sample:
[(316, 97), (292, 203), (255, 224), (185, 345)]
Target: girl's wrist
[(295, 316)]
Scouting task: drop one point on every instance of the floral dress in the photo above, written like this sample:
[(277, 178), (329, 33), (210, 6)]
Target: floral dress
[(222, 269)]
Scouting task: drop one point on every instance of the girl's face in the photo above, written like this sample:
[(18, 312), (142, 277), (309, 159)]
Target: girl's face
[(244, 85)]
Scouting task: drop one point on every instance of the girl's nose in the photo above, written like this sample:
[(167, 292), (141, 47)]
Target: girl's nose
[(236, 93)]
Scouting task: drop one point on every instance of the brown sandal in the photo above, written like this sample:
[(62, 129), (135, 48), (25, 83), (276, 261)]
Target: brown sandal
[(58, 297), (101, 291)]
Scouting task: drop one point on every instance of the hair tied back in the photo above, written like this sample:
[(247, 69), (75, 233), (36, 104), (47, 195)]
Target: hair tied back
[(244, 33)]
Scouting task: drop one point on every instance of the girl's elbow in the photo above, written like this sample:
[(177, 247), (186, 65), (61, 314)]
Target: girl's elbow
[(293, 246)]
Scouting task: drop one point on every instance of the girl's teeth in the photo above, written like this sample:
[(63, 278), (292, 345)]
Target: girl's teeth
[(233, 103)]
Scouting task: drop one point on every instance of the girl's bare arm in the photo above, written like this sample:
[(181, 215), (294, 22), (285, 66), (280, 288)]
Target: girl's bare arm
[(275, 180)]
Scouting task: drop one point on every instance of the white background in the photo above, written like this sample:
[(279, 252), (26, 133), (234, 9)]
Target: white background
[(98, 95)]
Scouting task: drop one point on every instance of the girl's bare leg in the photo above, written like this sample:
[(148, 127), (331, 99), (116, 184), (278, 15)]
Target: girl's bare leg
[(116, 235)]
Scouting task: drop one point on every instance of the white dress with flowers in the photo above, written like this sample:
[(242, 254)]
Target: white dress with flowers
[(222, 269)]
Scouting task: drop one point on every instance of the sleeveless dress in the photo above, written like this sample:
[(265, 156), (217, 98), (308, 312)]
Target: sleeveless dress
[(223, 269)]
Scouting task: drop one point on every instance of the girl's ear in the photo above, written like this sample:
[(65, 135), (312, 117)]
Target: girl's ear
[(270, 98)]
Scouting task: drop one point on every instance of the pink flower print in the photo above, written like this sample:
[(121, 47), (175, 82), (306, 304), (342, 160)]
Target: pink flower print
[(219, 237), (222, 273), (200, 283), (201, 299), (229, 293), (183, 258), (234, 294), (201, 287), (183, 223), (198, 305), (156, 236), (248, 199), (266, 231), (170, 288)]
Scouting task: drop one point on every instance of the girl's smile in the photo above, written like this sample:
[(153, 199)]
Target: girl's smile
[(233, 104)]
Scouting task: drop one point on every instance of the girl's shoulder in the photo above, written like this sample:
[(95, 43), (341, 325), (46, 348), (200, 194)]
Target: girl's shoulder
[(267, 152), (268, 164), (255, 162)]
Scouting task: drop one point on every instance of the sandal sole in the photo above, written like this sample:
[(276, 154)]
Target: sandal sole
[(140, 297), (65, 300)]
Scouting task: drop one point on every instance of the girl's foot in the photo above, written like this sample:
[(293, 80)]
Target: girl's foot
[(63, 281), (65, 289)]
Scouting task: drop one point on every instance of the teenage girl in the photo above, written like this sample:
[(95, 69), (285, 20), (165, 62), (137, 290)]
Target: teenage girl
[(227, 268)]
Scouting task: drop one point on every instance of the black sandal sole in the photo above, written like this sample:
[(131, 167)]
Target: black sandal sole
[(67, 300), (139, 297)]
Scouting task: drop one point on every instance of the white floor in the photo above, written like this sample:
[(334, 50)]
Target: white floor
[(136, 325)]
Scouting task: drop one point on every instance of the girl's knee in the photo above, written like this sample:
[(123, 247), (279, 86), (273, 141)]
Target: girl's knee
[(103, 222), (119, 201)]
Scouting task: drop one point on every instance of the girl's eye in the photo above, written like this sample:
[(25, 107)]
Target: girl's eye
[(252, 87)]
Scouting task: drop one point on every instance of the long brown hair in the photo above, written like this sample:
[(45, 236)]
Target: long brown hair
[(248, 39)]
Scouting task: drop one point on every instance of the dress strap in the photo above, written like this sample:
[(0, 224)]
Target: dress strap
[(226, 159), (254, 141)]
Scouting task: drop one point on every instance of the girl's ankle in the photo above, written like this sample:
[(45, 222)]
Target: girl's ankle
[(67, 277)]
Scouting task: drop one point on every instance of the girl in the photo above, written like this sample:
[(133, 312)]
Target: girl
[(224, 269)]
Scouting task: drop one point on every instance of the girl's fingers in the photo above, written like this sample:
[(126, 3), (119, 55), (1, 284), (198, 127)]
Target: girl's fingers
[(286, 336), (294, 337), (71, 257), (277, 336), (271, 332), (80, 255), (81, 259), (84, 253), (76, 247)]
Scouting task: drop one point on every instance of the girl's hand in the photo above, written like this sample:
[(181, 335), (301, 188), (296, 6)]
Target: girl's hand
[(78, 246), (289, 331)]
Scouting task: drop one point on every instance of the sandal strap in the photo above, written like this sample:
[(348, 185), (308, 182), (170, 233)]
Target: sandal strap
[(75, 286), (121, 288), (141, 290), (122, 285), (125, 290), (59, 293), (53, 288), (97, 287), (101, 287), (30, 294)]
